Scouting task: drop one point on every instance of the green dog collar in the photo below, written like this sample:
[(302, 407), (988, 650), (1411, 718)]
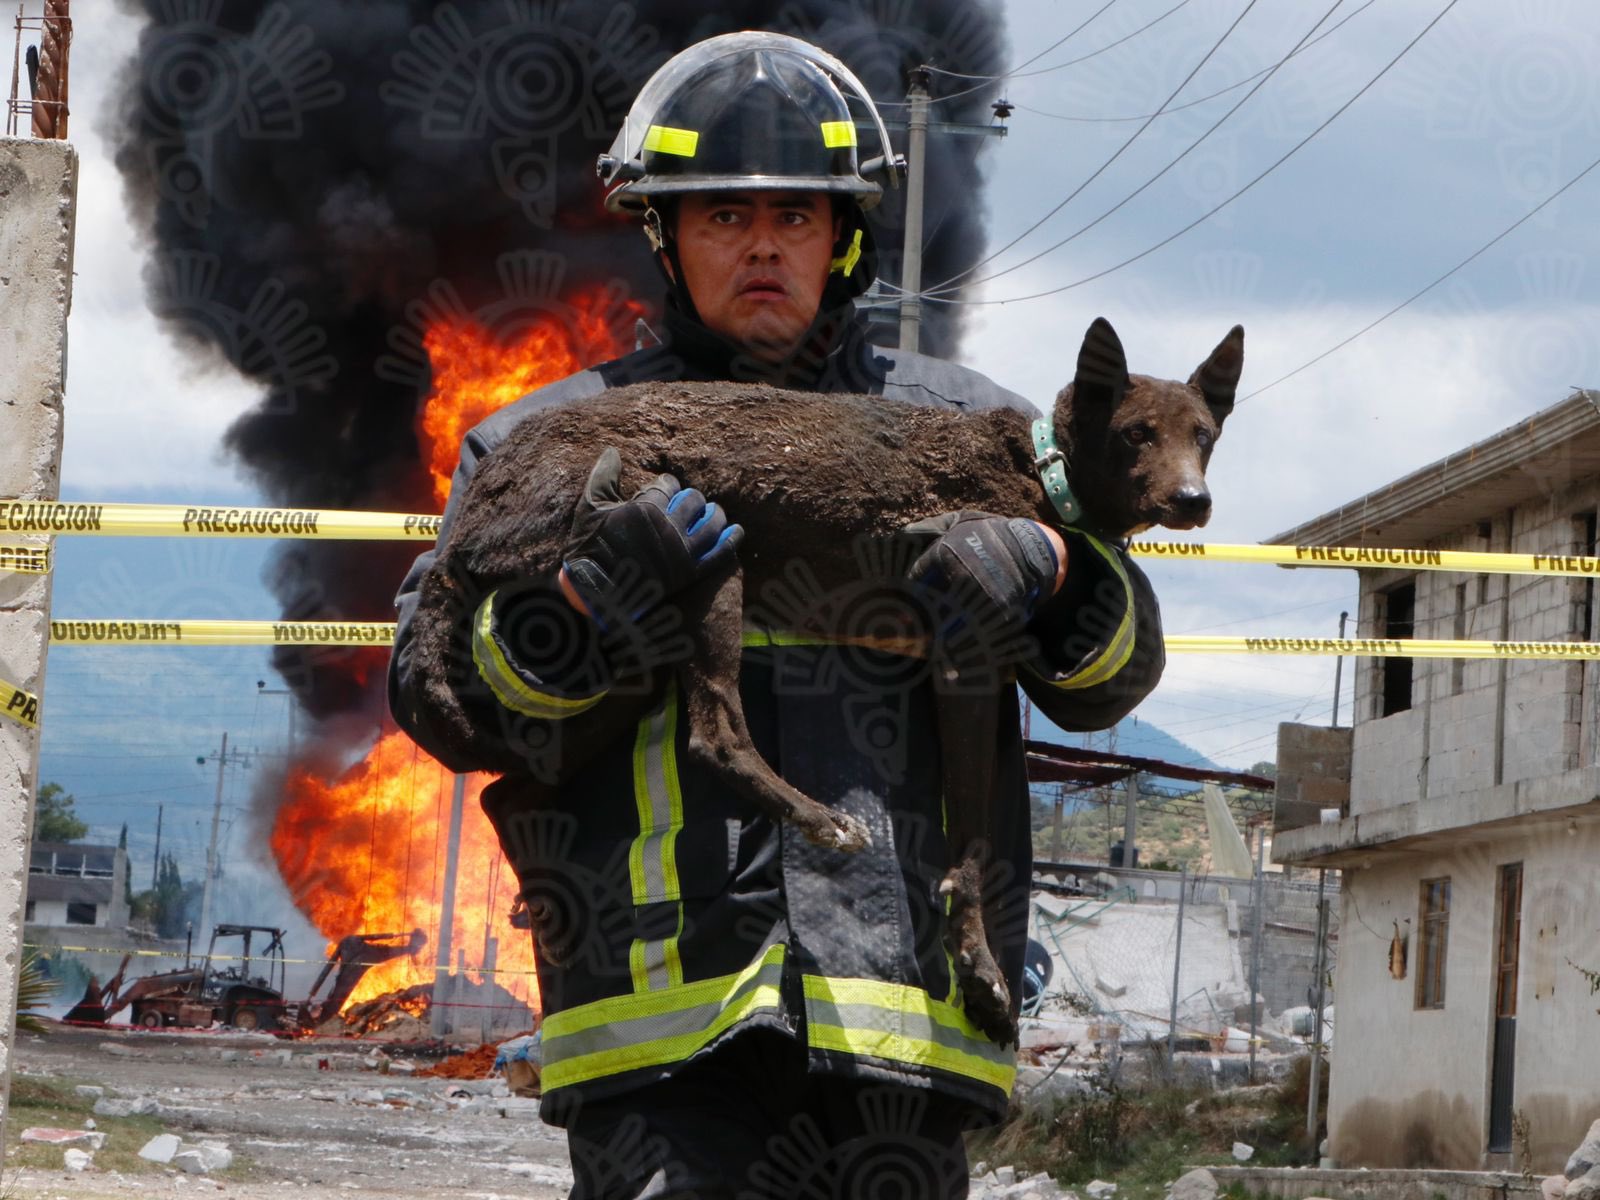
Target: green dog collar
[(1051, 465)]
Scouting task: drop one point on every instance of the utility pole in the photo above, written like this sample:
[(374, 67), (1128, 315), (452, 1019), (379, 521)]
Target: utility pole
[(1321, 994), (440, 1017), (1338, 671), (155, 867), (917, 128), (1255, 946), (1130, 823), (1177, 965), (916, 168), (211, 847)]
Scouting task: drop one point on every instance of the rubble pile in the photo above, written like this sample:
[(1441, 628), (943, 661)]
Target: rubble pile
[(477, 1063), (396, 1015)]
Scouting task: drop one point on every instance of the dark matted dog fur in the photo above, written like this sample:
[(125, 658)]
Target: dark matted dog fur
[(809, 475)]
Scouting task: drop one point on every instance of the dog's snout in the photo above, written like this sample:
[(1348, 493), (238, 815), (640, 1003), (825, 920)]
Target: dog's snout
[(1192, 503)]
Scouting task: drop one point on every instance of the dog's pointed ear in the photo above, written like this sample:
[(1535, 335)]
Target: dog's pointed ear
[(1218, 377), (1102, 366)]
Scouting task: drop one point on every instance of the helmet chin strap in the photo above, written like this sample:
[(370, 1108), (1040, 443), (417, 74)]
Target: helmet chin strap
[(664, 248)]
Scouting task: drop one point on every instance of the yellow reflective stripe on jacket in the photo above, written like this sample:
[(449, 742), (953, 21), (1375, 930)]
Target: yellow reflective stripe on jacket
[(1120, 648), (907, 647), (646, 1029), (652, 858), (901, 1024), (509, 687)]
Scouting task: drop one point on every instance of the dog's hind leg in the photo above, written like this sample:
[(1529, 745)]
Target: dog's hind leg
[(968, 724), (718, 735)]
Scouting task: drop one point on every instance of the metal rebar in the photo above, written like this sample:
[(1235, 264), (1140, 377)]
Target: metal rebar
[(50, 107), (1177, 965)]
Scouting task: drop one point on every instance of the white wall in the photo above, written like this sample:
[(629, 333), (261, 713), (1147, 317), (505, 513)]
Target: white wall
[(1410, 1088)]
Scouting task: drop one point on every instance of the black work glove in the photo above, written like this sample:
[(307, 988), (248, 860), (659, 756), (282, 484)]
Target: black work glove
[(990, 573), (626, 555)]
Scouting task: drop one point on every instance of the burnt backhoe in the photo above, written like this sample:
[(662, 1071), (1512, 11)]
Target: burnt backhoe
[(243, 989)]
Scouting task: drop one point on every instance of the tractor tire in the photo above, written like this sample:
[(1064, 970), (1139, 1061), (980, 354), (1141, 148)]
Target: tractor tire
[(149, 1018), (252, 1019)]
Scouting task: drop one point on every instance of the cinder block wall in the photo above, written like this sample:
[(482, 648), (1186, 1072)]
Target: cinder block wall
[(38, 192)]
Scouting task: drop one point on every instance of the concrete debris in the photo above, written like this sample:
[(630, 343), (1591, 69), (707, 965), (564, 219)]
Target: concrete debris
[(162, 1148), (77, 1160), (63, 1137), (214, 1156), (1242, 1152), (1200, 1184), (1587, 1156), (143, 1106), (117, 1050), (515, 1108), (89, 1091), (1553, 1188), (1002, 1184), (1099, 1189), (1585, 1186)]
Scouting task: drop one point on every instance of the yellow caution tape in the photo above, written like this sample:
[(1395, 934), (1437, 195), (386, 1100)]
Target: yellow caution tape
[(25, 560), (381, 633), (1379, 647), (176, 520), (222, 633), (1353, 556), (22, 707)]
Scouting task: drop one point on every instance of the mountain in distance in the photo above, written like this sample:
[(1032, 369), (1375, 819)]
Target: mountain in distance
[(1134, 736)]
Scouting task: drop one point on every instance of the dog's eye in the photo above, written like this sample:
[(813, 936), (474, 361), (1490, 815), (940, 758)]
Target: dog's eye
[(1137, 435), (1203, 438)]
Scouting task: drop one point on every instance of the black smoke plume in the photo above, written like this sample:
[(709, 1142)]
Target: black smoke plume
[(318, 178)]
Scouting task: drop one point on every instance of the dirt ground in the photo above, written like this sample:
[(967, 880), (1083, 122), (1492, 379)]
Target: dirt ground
[(321, 1117)]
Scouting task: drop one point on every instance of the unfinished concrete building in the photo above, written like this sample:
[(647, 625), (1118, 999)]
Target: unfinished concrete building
[(1469, 834)]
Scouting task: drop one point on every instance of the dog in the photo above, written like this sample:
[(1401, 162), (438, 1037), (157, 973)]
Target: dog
[(812, 478)]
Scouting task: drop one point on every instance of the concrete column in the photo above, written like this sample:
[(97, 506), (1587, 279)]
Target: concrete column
[(38, 196)]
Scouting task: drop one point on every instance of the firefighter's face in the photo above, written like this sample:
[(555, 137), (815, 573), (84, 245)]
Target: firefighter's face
[(756, 263)]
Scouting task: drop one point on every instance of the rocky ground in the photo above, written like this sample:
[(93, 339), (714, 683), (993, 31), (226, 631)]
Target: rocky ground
[(325, 1118)]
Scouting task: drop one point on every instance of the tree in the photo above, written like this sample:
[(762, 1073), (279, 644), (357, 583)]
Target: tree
[(54, 819), (164, 905)]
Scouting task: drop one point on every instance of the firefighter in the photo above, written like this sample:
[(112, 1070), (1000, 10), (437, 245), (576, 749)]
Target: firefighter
[(729, 1010)]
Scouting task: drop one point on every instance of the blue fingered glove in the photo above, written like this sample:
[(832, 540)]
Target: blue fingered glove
[(626, 555)]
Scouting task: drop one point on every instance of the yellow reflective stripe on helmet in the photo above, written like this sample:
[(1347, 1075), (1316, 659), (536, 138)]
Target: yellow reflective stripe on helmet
[(847, 261), (507, 685), (645, 1029), (838, 134), (1120, 648), (664, 139), (901, 1024)]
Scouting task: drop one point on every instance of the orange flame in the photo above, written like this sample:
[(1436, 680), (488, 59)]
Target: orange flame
[(366, 853), (478, 370)]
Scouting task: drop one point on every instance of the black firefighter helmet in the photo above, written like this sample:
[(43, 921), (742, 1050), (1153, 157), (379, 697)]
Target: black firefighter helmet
[(751, 111)]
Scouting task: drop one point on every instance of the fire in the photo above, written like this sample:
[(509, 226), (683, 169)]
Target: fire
[(477, 370), (367, 853)]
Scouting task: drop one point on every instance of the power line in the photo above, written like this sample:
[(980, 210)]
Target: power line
[(1217, 45), (1176, 108), (1215, 125), (1071, 62), (1068, 36), (1229, 200), (1419, 293)]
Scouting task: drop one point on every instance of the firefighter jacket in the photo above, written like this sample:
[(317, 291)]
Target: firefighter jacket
[(680, 916)]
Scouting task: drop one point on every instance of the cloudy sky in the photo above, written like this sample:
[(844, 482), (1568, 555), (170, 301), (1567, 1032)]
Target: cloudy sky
[(1487, 115)]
